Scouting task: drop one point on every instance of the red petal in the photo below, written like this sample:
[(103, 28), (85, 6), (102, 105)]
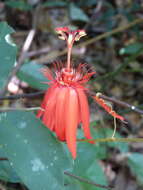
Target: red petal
[(62, 100), (49, 117), (72, 114), (46, 98), (84, 112)]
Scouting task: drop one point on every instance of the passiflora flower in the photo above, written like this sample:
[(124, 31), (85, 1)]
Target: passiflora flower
[(65, 104)]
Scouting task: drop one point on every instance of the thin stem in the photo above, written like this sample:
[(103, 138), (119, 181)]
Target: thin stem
[(100, 140), (19, 96)]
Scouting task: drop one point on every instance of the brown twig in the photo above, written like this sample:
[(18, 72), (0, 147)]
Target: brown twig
[(19, 96), (118, 102), (121, 103), (34, 94), (87, 181), (38, 52)]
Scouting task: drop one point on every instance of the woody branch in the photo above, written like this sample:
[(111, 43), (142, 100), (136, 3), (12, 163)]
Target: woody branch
[(37, 94)]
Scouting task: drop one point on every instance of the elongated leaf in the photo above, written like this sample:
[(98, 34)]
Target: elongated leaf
[(21, 5), (31, 73), (131, 49), (35, 154), (87, 166), (95, 173), (135, 161), (7, 52)]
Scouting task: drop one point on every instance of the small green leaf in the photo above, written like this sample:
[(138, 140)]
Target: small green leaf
[(7, 173), (87, 165), (87, 3), (54, 4), (131, 49), (34, 153), (31, 73), (7, 52), (71, 183), (95, 173), (77, 13), (21, 5), (80, 164), (135, 162)]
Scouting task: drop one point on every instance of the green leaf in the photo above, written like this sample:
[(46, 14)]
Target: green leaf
[(77, 14), (135, 161), (95, 173), (80, 164), (7, 52), (7, 173), (131, 49), (21, 5), (87, 165), (35, 154), (31, 73), (71, 183)]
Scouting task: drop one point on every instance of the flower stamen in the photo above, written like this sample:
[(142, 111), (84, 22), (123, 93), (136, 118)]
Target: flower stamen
[(70, 36)]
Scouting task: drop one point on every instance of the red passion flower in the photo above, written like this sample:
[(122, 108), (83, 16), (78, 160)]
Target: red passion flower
[(65, 104)]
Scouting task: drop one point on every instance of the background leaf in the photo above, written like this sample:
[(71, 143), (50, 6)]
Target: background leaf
[(131, 49), (88, 166), (7, 173), (135, 161), (31, 73), (95, 173), (77, 14), (54, 4), (7, 52)]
